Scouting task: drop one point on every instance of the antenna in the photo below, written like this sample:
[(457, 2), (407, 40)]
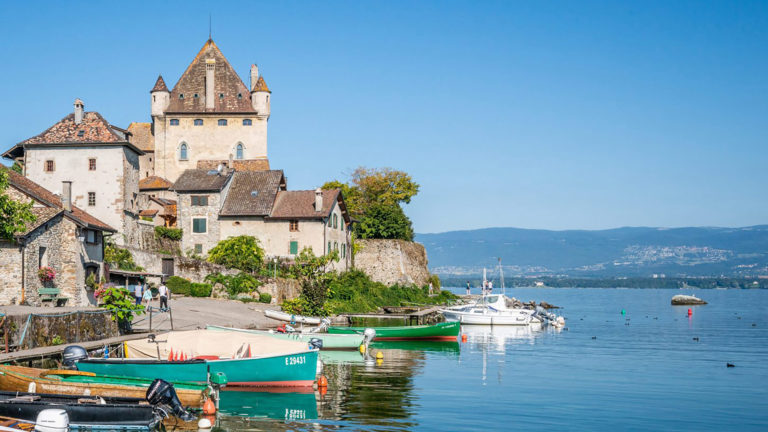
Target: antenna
[(209, 26)]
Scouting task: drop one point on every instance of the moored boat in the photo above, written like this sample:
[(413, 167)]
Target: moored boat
[(244, 359), (490, 310), (445, 331), (330, 341), (291, 318), (24, 379)]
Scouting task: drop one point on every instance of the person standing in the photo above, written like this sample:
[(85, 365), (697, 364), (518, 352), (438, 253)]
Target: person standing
[(137, 292), (163, 292), (490, 287), (468, 287)]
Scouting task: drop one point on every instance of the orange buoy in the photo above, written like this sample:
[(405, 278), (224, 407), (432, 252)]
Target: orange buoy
[(322, 381), (209, 408), (170, 356), (464, 337), (322, 390)]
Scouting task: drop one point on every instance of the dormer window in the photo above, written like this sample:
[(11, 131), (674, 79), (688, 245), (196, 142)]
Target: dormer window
[(174, 122), (247, 122), (181, 95), (198, 122), (222, 122)]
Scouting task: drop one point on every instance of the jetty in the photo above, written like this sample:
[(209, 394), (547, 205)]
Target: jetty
[(408, 315)]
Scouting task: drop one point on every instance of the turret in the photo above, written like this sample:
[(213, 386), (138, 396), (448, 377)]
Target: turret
[(259, 93), (161, 97)]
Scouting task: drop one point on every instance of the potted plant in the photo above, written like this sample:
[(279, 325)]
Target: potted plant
[(46, 275)]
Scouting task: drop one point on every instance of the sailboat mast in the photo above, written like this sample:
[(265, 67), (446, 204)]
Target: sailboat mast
[(501, 274)]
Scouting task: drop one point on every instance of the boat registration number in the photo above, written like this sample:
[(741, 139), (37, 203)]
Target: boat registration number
[(289, 361)]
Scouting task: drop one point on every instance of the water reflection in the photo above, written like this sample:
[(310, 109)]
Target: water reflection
[(496, 338), (282, 405)]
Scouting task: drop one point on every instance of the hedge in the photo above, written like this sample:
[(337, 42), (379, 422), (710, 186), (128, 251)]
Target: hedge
[(265, 298), (178, 285), (169, 233), (200, 290)]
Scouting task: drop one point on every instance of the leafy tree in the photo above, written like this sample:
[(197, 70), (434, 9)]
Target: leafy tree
[(242, 252), (121, 305), (14, 215), (122, 258), (17, 168), (385, 222)]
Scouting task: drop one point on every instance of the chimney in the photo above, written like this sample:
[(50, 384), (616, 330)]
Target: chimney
[(318, 200), (254, 76), (210, 67), (79, 107), (231, 165), (66, 195)]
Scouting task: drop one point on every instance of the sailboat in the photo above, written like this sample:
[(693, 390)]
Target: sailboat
[(491, 309)]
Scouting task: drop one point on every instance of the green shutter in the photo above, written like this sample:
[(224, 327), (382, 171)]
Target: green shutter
[(199, 225), (294, 247)]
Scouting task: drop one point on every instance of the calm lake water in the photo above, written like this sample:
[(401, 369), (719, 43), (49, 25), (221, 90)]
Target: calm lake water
[(605, 371)]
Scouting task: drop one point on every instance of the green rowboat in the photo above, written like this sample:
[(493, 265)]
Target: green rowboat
[(446, 331), (330, 341)]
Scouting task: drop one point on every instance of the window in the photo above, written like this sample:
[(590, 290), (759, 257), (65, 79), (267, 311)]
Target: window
[(196, 95), (91, 199), (199, 200), (239, 151), (329, 247), (335, 221), (221, 95), (198, 248), (247, 122), (181, 95), (294, 247), (183, 151), (199, 225), (222, 122), (330, 222), (42, 258), (91, 164), (198, 122), (174, 122), (239, 95), (50, 166), (335, 246), (343, 250), (90, 236), (293, 225)]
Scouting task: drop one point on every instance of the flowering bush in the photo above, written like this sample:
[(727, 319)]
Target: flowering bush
[(46, 274)]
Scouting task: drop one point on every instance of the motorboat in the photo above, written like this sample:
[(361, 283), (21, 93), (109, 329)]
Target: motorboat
[(490, 310)]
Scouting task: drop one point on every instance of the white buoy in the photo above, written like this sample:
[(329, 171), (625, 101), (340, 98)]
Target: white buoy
[(204, 424)]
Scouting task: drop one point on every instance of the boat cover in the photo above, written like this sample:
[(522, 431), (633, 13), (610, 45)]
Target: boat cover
[(219, 343)]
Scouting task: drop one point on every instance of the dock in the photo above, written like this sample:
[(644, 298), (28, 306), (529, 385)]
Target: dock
[(50, 351), (418, 317)]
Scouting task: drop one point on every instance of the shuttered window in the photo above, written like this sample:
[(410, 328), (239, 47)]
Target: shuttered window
[(294, 247), (199, 225)]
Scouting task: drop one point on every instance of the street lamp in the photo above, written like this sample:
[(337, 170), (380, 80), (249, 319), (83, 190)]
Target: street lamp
[(274, 260)]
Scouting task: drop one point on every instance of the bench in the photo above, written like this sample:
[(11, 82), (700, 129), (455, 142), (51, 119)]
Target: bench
[(52, 294)]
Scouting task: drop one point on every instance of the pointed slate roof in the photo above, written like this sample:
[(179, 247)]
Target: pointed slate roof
[(261, 85), (159, 85), (230, 93)]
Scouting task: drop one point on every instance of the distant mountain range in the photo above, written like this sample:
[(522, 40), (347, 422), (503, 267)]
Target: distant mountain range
[(630, 252)]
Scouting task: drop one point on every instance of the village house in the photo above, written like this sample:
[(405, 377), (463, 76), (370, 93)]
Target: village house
[(62, 237), (96, 158)]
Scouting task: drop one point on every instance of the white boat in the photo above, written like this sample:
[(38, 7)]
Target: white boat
[(291, 318), (491, 310)]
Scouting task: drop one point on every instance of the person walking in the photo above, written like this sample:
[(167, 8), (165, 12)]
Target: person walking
[(137, 292), (164, 294), (147, 295)]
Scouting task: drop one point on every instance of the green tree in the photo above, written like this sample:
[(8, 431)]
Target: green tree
[(14, 215), (17, 168), (382, 221), (242, 252)]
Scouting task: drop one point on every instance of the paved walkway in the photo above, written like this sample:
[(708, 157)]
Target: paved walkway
[(193, 312)]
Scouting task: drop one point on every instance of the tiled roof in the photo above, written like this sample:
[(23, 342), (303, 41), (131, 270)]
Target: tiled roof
[(142, 136), (193, 180), (93, 129), (227, 86), (159, 85), (301, 204), (148, 212), (42, 215), (261, 86), (239, 164), (163, 201), (50, 199), (252, 193), (154, 183)]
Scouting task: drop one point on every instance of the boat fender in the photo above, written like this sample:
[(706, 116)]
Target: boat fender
[(204, 425), (315, 343), (322, 381), (319, 368), (379, 355), (52, 420), (209, 408)]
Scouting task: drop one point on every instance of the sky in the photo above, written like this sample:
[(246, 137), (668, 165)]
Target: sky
[(549, 115)]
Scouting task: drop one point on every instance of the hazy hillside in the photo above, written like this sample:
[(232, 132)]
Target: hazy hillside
[(606, 253)]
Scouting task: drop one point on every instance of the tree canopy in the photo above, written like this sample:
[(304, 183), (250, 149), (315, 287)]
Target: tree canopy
[(14, 215), (242, 252), (374, 198)]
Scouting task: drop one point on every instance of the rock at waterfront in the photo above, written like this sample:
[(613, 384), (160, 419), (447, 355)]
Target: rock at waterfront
[(686, 300)]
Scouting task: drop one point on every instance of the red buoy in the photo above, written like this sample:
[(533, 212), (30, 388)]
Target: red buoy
[(464, 337), (690, 311)]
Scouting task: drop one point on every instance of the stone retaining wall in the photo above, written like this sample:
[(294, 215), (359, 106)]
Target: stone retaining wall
[(393, 261)]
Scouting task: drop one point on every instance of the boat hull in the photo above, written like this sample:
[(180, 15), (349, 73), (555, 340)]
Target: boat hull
[(487, 319), (285, 370), (330, 341), (18, 379), (284, 316), (447, 331)]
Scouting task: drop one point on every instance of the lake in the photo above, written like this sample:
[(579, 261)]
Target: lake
[(604, 371)]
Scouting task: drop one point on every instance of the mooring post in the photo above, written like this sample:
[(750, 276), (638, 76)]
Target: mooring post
[(150, 318), (170, 312)]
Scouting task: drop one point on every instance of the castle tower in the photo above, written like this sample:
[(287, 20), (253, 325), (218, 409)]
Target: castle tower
[(259, 93), (161, 97)]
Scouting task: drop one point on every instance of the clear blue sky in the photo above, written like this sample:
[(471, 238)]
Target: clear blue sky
[(552, 115)]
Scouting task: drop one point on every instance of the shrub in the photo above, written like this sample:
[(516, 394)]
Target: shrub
[(122, 258), (169, 233), (121, 304), (200, 290), (242, 283), (242, 253), (178, 285), (265, 298)]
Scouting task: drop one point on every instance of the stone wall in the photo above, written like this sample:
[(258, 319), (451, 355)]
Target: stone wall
[(10, 273), (70, 327), (281, 289), (188, 268), (393, 261)]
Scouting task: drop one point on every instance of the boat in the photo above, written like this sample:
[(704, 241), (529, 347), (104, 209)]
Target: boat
[(329, 341), (25, 379), (687, 300), (83, 411), (243, 359), (490, 310), (291, 318), (445, 331)]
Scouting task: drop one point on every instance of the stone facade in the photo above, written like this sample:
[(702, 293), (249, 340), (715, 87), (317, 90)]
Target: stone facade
[(393, 261), (10, 273), (199, 243)]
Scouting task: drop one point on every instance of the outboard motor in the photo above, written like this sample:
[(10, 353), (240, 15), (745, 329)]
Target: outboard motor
[(315, 343), (161, 392), (368, 335), (72, 354), (52, 420)]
